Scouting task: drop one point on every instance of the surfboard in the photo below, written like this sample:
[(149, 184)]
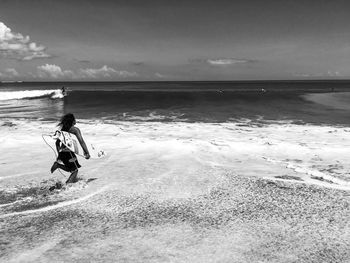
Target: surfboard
[(72, 143)]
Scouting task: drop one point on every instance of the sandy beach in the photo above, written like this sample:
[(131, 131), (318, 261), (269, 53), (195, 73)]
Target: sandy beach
[(242, 220), (176, 193)]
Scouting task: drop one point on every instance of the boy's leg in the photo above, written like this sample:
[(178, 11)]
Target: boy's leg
[(60, 166), (73, 177)]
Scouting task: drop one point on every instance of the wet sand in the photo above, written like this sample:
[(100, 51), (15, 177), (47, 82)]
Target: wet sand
[(179, 192), (240, 220)]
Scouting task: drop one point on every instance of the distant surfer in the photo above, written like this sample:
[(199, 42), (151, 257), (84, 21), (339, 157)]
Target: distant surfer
[(64, 91), (69, 159)]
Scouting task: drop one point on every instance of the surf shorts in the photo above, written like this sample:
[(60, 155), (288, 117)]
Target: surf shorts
[(69, 160)]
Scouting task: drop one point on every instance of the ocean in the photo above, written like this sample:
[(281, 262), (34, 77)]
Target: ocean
[(180, 101), (195, 172)]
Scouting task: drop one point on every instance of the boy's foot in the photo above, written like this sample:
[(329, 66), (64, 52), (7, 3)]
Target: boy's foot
[(73, 178), (71, 181), (54, 167), (57, 185)]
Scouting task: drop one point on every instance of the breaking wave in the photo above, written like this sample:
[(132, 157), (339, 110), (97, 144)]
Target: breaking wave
[(30, 94)]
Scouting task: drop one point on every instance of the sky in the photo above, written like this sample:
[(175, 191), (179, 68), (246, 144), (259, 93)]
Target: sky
[(174, 40)]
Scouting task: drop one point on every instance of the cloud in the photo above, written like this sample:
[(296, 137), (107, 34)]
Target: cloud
[(226, 61), (9, 73), (158, 75), (319, 75), (16, 46), (138, 63), (54, 71), (106, 72), (333, 74), (222, 61), (84, 61)]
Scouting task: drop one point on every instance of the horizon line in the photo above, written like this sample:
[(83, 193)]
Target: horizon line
[(176, 81)]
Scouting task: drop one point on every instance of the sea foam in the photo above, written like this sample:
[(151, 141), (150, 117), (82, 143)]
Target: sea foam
[(184, 158), (30, 94)]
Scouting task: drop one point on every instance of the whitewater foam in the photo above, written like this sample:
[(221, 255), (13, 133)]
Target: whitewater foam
[(147, 150), (30, 94)]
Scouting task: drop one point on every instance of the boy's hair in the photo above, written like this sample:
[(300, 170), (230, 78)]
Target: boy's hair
[(66, 122)]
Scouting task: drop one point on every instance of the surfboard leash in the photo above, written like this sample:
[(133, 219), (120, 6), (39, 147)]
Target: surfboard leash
[(53, 151)]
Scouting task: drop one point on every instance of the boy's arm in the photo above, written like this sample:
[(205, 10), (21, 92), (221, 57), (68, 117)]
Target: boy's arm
[(82, 142)]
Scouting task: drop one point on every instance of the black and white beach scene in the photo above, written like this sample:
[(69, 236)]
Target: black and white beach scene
[(175, 131)]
